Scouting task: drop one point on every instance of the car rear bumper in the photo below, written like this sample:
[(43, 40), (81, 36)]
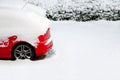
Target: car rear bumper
[(50, 53), (43, 48)]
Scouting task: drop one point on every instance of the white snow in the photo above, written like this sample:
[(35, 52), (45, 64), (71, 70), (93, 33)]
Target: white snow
[(27, 24), (22, 5), (37, 10), (84, 51), (17, 4), (79, 4)]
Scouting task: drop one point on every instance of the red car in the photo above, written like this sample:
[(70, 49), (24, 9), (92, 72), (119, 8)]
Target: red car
[(24, 32)]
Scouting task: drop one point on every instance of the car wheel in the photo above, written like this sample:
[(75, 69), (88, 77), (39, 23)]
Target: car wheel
[(23, 51)]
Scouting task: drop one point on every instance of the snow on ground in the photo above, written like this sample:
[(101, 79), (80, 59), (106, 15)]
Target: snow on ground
[(84, 51)]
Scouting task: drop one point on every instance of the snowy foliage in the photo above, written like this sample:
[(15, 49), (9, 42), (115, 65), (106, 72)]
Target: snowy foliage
[(80, 10)]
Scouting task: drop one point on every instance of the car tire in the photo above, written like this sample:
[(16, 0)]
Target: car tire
[(23, 51)]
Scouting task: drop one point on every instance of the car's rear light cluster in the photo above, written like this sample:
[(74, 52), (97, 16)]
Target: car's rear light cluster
[(46, 36)]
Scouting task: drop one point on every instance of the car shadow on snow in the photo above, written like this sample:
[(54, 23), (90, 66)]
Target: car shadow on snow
[(48, 55)]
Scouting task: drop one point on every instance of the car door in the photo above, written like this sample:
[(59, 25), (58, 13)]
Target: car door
[(4, 49), (5, 44)]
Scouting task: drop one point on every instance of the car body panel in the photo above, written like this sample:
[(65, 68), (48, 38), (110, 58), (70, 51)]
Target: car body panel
[(18, 26), (41, 48)]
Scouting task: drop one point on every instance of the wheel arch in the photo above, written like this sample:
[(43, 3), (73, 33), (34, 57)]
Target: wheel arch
[(19, 43)]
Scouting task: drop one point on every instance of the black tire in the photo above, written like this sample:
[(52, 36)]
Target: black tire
[(23, 51)]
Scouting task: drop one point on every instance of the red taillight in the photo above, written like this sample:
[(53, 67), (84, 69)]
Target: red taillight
[(45, 36), (12, 38), (41, 38)]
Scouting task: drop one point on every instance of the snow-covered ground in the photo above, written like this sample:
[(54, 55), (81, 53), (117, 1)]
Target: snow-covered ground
[(84, 51)]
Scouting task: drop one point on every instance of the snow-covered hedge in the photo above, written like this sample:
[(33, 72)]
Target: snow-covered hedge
[(80, 10)]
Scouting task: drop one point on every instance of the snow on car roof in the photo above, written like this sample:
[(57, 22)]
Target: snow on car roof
[(22, 9), (22, 6), (12, 4), (27, 26), (26, 23)]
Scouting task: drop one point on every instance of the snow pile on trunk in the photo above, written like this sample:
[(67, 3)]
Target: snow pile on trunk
[(22, 5), (26, 23)]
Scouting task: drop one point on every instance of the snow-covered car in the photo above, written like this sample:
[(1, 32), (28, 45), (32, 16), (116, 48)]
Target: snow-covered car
[(24, 32)]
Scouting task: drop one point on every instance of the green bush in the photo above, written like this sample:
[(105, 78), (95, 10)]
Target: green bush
[(111, 15)]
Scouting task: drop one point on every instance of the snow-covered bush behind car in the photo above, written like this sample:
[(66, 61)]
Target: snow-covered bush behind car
[(80, 10)]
